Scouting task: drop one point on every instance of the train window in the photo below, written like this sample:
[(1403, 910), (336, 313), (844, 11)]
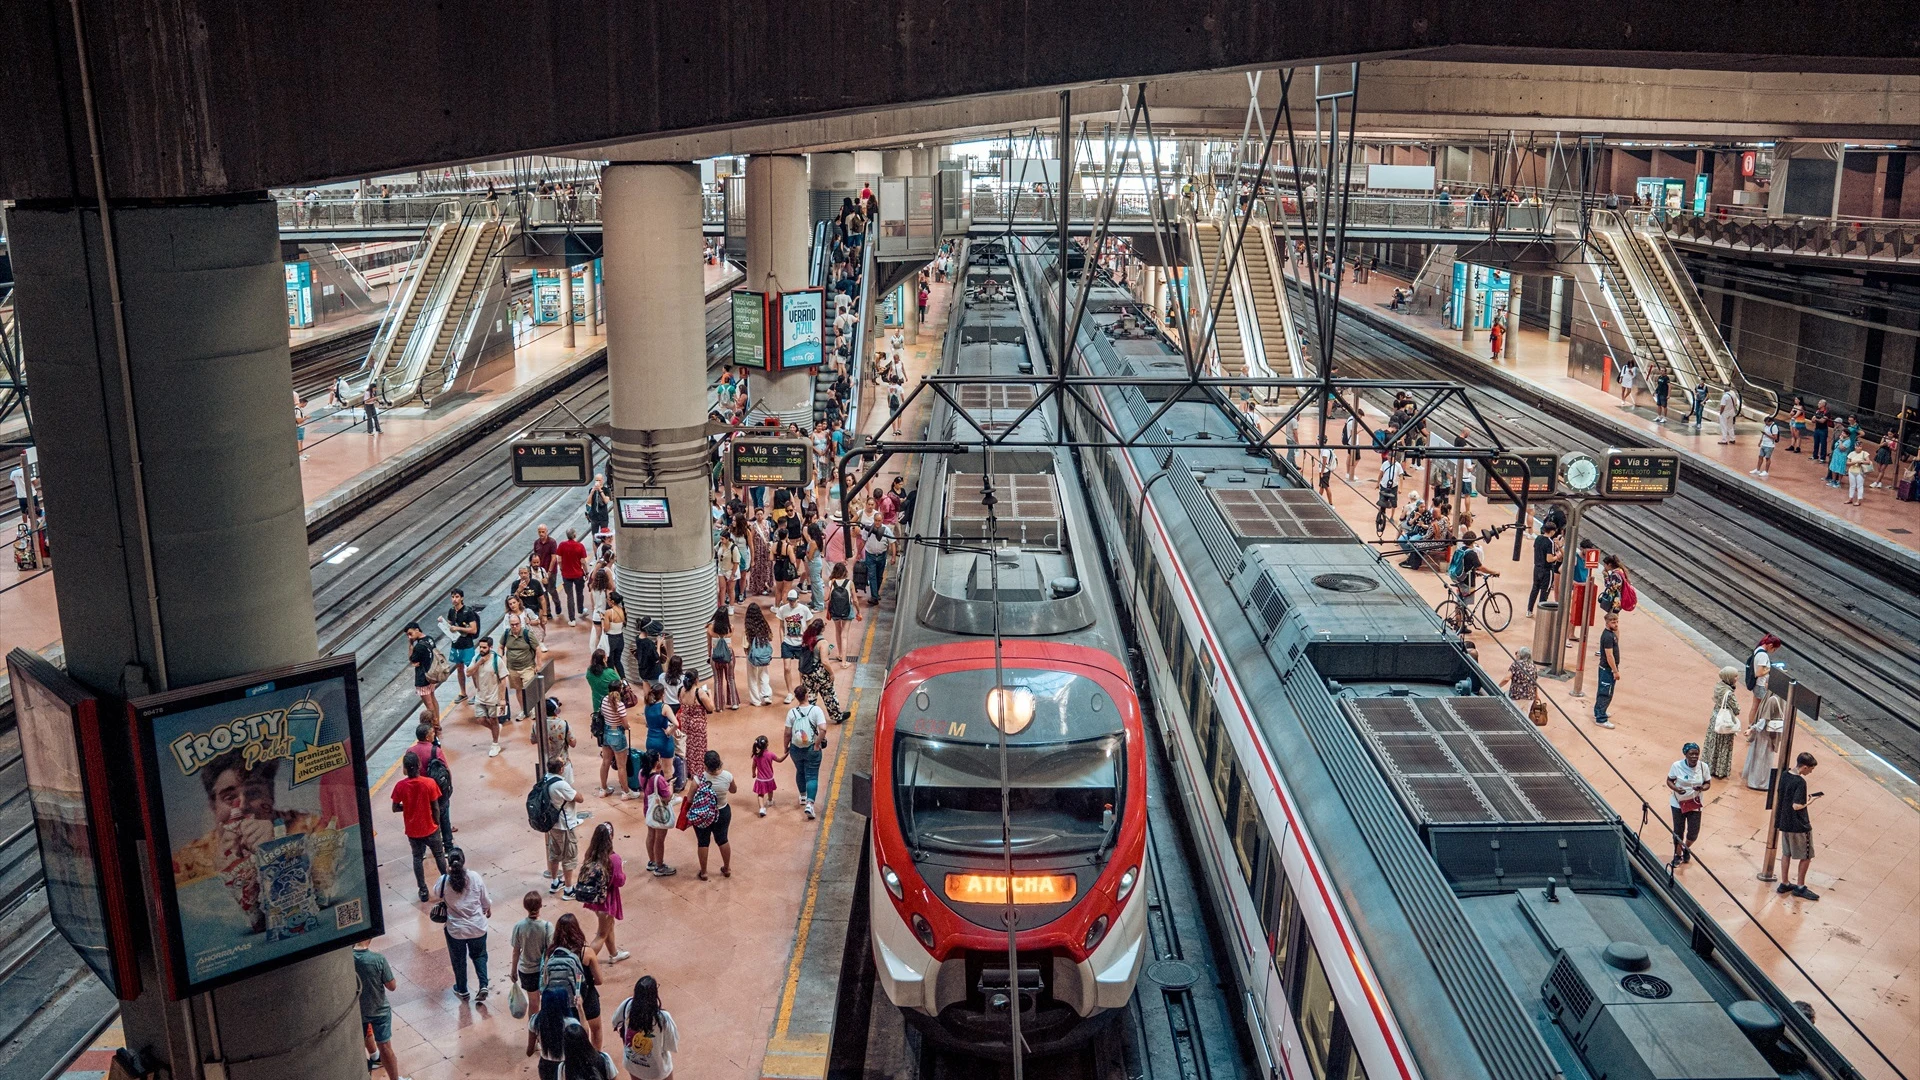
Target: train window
[(1226, 777), (1249, 837), (1315, 1009), (1202, 718), (1276, 915)]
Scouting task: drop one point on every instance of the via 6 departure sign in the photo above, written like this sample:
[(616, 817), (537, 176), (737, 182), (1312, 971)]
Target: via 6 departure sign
[(1640, 474)]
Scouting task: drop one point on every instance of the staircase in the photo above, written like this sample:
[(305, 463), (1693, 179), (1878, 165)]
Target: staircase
[(434, 373), (1260, 261), (1640, 331), (1226, 335)]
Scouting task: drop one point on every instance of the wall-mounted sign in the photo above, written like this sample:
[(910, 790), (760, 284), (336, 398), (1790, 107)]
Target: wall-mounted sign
[(73, 787), (546, 297), (1640, 474), (299, 295), (749, 329), (551, 462), (781, 462), (1542, 468), (645, 512), (254, 793), (1702, 184), (802, 326)]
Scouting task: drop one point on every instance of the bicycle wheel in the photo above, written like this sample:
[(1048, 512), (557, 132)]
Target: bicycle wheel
[(1452, 612), (1496, 612)]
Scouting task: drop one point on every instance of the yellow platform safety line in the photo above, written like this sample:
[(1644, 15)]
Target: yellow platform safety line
[(796, 1057), (785, 1016)]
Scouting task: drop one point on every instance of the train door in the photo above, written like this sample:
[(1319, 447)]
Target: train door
[(1278, 921)]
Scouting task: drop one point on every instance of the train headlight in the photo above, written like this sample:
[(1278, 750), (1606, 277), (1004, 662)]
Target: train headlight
[(1127, 881), (893, 882), (1010, 708), (1095, 932), (923, 931)]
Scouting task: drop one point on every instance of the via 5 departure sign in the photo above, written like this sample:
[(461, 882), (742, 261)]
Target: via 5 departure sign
[(1640, 474), (551, 463)]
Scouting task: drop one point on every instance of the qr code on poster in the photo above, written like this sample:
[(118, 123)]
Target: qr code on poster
[(347, 915)]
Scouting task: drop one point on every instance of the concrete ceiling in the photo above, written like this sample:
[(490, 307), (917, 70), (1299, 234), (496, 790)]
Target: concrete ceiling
[(204, 97), (1398, 98)]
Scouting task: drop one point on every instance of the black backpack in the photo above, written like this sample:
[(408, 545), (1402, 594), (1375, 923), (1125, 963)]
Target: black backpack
[(542, 815), (436, 769), (839, 604)]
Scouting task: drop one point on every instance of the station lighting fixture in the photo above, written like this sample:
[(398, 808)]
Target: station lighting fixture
[(1010, 708)]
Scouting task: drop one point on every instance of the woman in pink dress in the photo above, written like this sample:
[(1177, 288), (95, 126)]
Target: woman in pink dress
[(598, 889)]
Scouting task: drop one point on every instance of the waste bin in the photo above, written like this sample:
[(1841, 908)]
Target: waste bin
[(1546, 616)]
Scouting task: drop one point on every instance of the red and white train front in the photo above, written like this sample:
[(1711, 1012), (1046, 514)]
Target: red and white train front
[(1076, 827)]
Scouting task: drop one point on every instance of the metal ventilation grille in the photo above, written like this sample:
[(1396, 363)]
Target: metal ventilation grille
[(1571, 989), (1460, 760), (975, 398), (1026, 511), (1268, 600), (1279, 514), (1206, 519)]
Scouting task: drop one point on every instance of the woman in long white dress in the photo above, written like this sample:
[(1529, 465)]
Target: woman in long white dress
[(1763, 739)]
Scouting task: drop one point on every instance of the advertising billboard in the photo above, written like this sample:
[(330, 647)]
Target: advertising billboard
[(802, 322), (254, 792), (546, 297), (750, 329), (299, 295), (71, 786)]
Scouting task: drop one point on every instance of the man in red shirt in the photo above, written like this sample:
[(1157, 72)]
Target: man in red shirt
[(414, 798), (546, 551), (573, 574)]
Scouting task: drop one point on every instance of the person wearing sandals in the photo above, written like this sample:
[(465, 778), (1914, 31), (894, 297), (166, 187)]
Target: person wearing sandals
[(726, 688), (487, 678), (815, 675), (598, 890), (840, 608), (696, 703), (660, 811), (710, 814)]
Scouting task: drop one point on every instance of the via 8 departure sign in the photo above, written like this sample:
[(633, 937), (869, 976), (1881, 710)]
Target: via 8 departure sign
[(1640, 474), (779, 462), (551, 463)]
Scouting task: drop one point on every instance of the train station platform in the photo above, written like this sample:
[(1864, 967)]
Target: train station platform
[(335, 328), (1855, 941), (1794, 481), (340, 463)]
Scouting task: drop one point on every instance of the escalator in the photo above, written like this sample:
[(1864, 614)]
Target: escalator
[(1228, 344), (410, 297), (443, 303)]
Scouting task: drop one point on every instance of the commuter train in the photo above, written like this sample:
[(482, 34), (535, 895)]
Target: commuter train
[(1074, 754), (1411, 881)]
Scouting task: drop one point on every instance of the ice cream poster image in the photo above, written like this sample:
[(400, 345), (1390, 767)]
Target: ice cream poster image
[(262, 812)]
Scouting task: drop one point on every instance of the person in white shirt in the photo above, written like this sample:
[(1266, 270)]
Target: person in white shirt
[(1769, 436), (1687, 779), (805, 736), (1390, 473), (22, 491), (1729, 412), (793, 616), (468, 910), (648, 1037), (563, 844)]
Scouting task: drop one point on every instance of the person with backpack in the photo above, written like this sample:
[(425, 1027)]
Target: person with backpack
[(574, 968), (598, 890), (489, 705), (726, 688), (657, 792), (462, 623), (414, 797), (709, 812), (548, 812), (840, 607), (805, 737), (647, 1034), (426, 662), (463, 911), (1759, 667), (1616, 592), (522, 652), (553, 739), (433, 765), (759, 656)]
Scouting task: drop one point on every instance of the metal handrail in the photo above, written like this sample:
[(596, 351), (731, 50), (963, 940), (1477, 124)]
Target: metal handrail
[(857, 362), (397, 304), (402, 376)]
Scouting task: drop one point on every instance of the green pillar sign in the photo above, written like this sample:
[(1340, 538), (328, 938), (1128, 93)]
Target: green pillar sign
[(750, 329)]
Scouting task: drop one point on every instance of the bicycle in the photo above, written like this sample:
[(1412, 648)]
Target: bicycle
[(1457, 609)]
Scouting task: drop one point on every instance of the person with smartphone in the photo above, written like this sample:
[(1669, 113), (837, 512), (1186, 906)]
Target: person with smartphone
[(1796, 829)]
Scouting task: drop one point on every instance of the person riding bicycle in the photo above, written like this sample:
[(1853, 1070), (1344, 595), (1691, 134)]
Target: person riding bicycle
[(1390, 473), (1467, 570)]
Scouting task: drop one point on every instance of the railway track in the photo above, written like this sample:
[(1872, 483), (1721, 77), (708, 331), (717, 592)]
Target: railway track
[(1727, 570)]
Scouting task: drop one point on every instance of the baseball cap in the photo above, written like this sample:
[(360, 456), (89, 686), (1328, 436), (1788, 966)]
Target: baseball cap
[(793, 594)]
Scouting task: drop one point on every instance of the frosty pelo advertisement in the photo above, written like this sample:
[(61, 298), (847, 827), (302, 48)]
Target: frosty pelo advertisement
[(257, 815)]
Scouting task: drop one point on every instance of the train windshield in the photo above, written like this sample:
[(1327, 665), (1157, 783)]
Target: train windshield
[(1064, 796)]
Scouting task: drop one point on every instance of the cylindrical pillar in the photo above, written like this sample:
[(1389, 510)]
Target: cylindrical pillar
[(207, 578), (566, 307), (593, 296), (657, 385), (1555, 312), (1513, 316), (897, 163), (1466, 307), (779, 239), (831, 172)]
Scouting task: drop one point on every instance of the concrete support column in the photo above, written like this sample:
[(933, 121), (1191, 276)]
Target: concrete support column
[(1513, 316), (897, 163), (779, 242), (212, 582), (566, 307), (593, 299), (1555, 310), (657, 383), (832, 172), (1466, 307)]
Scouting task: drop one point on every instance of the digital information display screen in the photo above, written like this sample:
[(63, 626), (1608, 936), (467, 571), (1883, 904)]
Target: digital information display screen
[(256, 806), (785, 462), (1640, 474), (1542, 474), (551, 463), (750, 329), (644, 512)]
